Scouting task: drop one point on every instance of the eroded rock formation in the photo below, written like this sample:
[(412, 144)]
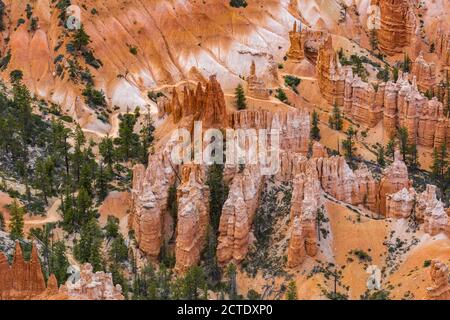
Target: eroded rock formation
[(22, 280), (400, 204), (439, 276), (424, 72), (395, 178), (193, 217), (255, 86), (149, 197), (330, 74), (398, 23), (237, 215), (297, 49), (92, 286), (432, 212), (305, 204)]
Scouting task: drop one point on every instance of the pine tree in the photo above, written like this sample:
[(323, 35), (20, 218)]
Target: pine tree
[(232, 286), (402, 136), (119, 251), (374, 39), (146, 138), (240, 98), (315, 131), (349, 144), (88, 249), (128, 141), (16, 223), (45, 177), (381, 156), (101, 182), (413, 157), (218, 193), (440, 167), (291, 293), (194, 281), (59, 262), (112, 227), (2, 222), (406, 65), (335, 120), (390, 148), (80, 39), (106, 150)]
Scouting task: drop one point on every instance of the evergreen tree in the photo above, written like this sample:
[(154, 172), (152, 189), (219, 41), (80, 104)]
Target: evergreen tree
[(218, 193), (413, 157), (395, 74), (146, 138), (390, 148), (128, 141), (101, 183), (315, 131), (406, 65), (402, 136), (112, 227), (119, 250), (349, 144), (212, 269), (381, 156), (291, 293), (16, 223), (232, 286), (2, 222), (88, 249), (80, 39), (59, 262), (106, 150), (194, 281), (45, 177), (374, 39), (240, 98), (335, 121), (440, 167)]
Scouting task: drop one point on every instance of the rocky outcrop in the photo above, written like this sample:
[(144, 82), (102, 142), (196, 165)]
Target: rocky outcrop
[(353, 187), (293, 126), (92, 286), (425, 73), (443, 45), (424, 119), (439, 276), (394, 179), (149, 197), (206, 105), (362, 103), (398, 25), (400, 204), (193, 217), (330, 74), (24, 280), (432, 212), (318, 150), (304, 233), (255, 86), (237, 215), (296, 51)]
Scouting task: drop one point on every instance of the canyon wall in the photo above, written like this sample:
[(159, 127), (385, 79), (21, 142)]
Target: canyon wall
[(398, 23)]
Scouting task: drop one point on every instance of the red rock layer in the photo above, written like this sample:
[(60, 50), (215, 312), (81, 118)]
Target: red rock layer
[(22, 280), (193, 217), (237, 215), (255, 86), (149, 197), (305, 204), (397, 25), (330, 74)]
